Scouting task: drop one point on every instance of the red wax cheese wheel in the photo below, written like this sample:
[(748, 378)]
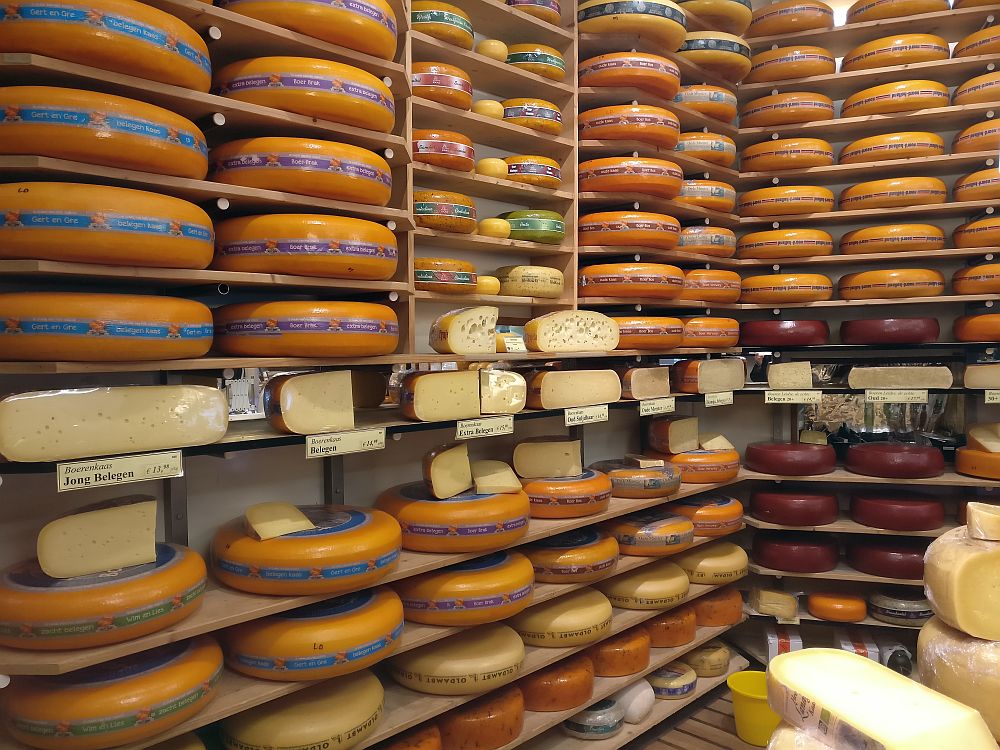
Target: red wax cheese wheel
[(780, 288), (651, 73), (629, 229), (565, 685), (794, 507), (784, 333), (786, 201), (631, 122), (837, 607), (978, 186), (442, 83), (889, 557), (712, 516), (895, 460), (984, 232), (569, 497), (795, 552), (710, 332), (976, 463), (897, 191), (785, 243), (444, 148), (790, 62), (674, 628), (630, 280), (786, 109), (711, 285), (790, 17), (892, 51), (711, 101), (485, 724), (790, 459), (622, 654), (719, 608), (891, 283), (984, 279), (984, 136), (573, 557), (657, 177), (890, 331), (788, 153), (892, 238), (896, 511), (978, 327), (979, 90), (717, 242), (645, 332)]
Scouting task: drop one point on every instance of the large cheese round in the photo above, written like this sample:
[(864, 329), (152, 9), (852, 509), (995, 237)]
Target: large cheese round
[(981, 279), (646, 332), (706, 466), (784, 333), (659, 585), (122, 36), (714, 564), (875, 10), (651, 73), (306, 245), (675, 627), (322, 89), (984, 327), (306, 166), (902, 96), (709, 194), (786, 109), (892, 238), (42, 613), (631, 122), (659, 21), (657, 280), (565, 685), (986, 41), (976, 463), (710, 147), (710, 285), (444, 148), (890, 557), (539, 59), (534, 114), (800, 61), (794, 507), (442, 21), (795, 551), (651, 533), (896, 511), (444, 211), (103, 129), (785, 243), (984, 232), (82, 327), (633, 482), (130, 699), (444, 275), (905, 145), (622, 654), (710, 332), (780, 288), (890, 331), (891, 51), (891, 283), (575, 556), (487, 723), (718, 242), (786, 201), (731, 16), (895, 460), (790, 459), (979, 90), (627, 229), (65, 221), (713, 515), (725, 55), (892, 192), (569, 497), (657, 177), (711, 101), (790, 17), (978, 186), (983, 136), (576, 619), (320, 640), (442, 83), (787, 153)]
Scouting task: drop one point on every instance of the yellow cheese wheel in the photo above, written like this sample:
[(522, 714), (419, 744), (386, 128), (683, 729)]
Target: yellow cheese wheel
[(890, 51), (875, 10), (651, 73), (718, 242), (569, 497), (983, 42), (122, 36), (905, 145), (902, 96), (534, 114), (898, 191), (631, 122), (659, 21), (710, 332), (546, 10), (711, 101), (575, 619), (442, 21), (710, 147), (978, 328), (576, 556), (790, 17), (487, 285), (786, 153), (657, 177), (629, 229), (444, 211), (978, 186), (652, 533), (725, 55), (983, 136), (444, 148), (539, 59), (711, 194), (716, 515), (981, 279), (442, 83), (731, 16), (306, 329), (648, 333), (786, 109), (892, 238), (323, 89), (711, 285), (984, 232), (892, 283), (978, 90), (786, 201), (786, 287), (100, 129), (657, 280), (540, 171), (800, 61), (785, 243), (85, 327)]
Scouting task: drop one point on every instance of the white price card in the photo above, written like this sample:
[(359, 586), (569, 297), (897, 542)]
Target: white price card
[(991, 396), (650, 406), (793, 397), (585, 415), (466, 429), (514, 344), (725, 398), (105, 472), (896, 395), (339, 443)]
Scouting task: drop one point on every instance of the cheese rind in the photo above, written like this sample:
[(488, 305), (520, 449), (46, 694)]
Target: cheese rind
[(708, 375), (553, 456), (562, 389), (902, 376), (447, 471), (270, 520), (502, 392), (796, 375), (491, 477), (658, 586), (440, 396), (468, 330), (310, 404), (571, 331)]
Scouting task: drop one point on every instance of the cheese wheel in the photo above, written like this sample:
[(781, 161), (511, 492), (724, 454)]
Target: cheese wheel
[(837, 607), (890, 331), (875, 10), (651, 533), (444, 148), (673, 628), (794, 507), (576, 619), (657, 177), (976, 463), (709, 194), (709, 285), (711, 101), (306, 329), (902, 96), (599, 721), (673, 682), (791, 200), (576, 556), (561, 687), (895, 460), (717, 242), (985, 41), (444, 275), (710, 147), (892, 238), (660, 21), (632, 122), (890, 557), (627, 229), (444, 211), (984, 232), (719, 608), (707, 466), (978, 327), (540, 171), (424, 737), (900, 606), (791, 62), (790, 108), (350, 633), (784, 333), (570, 497), (305, 166), (713, 564), (896, 511), (546, 10), (891, 51), (780, 288), (129, 699), (660, 585), (307, 245), (322, 89), (725, 55), (898, 191), (906, 145), (656, 280), (539, 59), (634, 482), (795, 551), (790, 17), (534, 114), (487, 285), (650, 73), (979, 90), (713, 515), (978, 186), (442, 83), (790, 459), (645, 332), (787, 153), (785, 243), (103, 129), (984, 136), (982, 279), (731, 16), (546, 227), (710, 332), (442, 21), (891, 283), (622, 654)]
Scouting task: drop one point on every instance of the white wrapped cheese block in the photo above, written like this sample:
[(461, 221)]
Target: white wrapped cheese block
[(502, 391), (542, 457), (792, 375), (563, 389), (310, 404), (962, 581), (571, 331), (903, 376), (468, 330), (531, 281)]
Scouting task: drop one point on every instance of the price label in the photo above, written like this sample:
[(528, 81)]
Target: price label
[(991, 396), (514, 344), (105, 472), (896, 396), (339, 443), (467, 429), (719, 399), (585, 415), (650, 406), (793, 397)]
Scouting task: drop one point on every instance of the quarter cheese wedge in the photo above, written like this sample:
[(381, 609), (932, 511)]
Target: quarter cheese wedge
[(270, 520)]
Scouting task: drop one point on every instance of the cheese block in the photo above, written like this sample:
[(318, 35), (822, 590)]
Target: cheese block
[(546, 10), (782, 288), (895, 460), (631, 122), (891, 146), (985, 41), (902, 96), (442, 83), (708, 285), (875, 10), (800, 61), (554, 456), (440, 396), (444, 275), (777, 603), (708, 375), (563, 389), (795, 551), (979, 90), (270, 520), (892, 238), (561, 687), (673, 682), (712, 101), (502, 392), (602, 720), (305, 166), (675, 627), (790, 17), (710, 147), (891, 51), (631, 174), (719, 608), (785, 201), (787, 153), (837, 607), (960, 577), (622, 654), (569, 497), (642, 383), (896, 511), (788, 108), (310, 404), (571, 331), (491, 477), (981, 376), (576, 619), (442, 21), (891, 283), (661, 21), (629, 229), (444, 148), (644, 332), (978, 186), (794, 507), (712, 515), (660, 585), (539, 59), (630, 280), (785, 243), (651, 533), (672, 434), (984, 136), (890, 331), (575, 556), (468, 330), (976, 463), (710, 194), (444, 211), (647, 72), (717, 242), (710, 660), (731, 16), (485, 724), (795, 375), (534, 114), (447, 471), (635, 482), (901, 191), (901, 376), (531, 281), (984, 327), (722, 54)]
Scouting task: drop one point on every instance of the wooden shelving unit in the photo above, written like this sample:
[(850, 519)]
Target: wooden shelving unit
[(591, 97), (847, 526), (843, 572)]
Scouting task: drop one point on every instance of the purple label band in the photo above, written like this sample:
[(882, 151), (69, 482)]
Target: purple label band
[(485, 529), (307, 162), (309, 247), (275, 327), (306, 83), (351, 6), (319, 572), (457, 605)]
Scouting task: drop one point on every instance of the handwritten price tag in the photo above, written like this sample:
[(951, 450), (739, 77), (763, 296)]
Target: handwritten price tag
[(585, 415), (467, 429), (650, 406), (339, 443), (719, 399), (105, 472), (896, 396), (793, 397)]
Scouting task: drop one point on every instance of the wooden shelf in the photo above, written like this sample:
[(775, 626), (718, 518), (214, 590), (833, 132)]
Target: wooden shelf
[(842, 572), (649, 253), (684, 211), (872, 215), (495, 20), (842, 476), (674, 304), (869, 621), (590, 97), (902, 258), (477, 243), (847, 526), (492, 188), (594, 149), (711, 725), (492, 299), (641, 303)]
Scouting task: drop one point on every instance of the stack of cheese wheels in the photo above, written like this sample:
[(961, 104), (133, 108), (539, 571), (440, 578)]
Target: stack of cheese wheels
[(984, 136), (789, 108), (891, 283), (978, 186), (710, 147), (540, 171), (891, 51), (660, 21), (650, 73), (876, 10), (790, 17), (725, 55), (786, 201), (324, 169), (892, 238), (653, 280), (711, 285), (978, 90), (573, 557), (986, 41), (442, 21), (539, 59), (637, 122), (657, 177), (906, 145), (902, 96), (711, 101), (444, 148), (791, 62), (306, 329), (710, 332), (709, 194), (984, 232), (442, 83), (786, 287), (444, 275), (534, 114), (731, 16), (893, 192), (717, 242), (444, 211), (786, 153), (984, 327), (568, 497), (785, 243), (647, 332), (626, 229)]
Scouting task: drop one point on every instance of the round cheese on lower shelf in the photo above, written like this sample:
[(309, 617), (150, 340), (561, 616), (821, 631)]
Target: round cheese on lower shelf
[(979, 90), (102, 129), (891, 146), (890, 331), (984, 327), (896, 511), (892, 238), (631, 122), (710, 285), (902, 96), (576, 619), (899, 50), (712, 515), (731, 16), (710, 147), (710, 332), (573, 557), (890, 557), (978, 186), (656, 586), (485, 724), (725, 55), (637, 699), (794, 507), (657, 280), (791, 200), (531, 281), (985, 41), (442, 83), (662, 22), (633, 482), (710, 660), (984, 136), (711, 101), (784, 333), (795, 552), (891, 283), (539, 59), (709, 194), (778, 64), (569, 497), (645, 332), (444, 211), (704, 466), (790, 459), (534, 114), (786, 287), (561, 687), (837, 607), (628, 174), (674, 681), (713, 564), (717, 242), (673, 628), (444, 275), (444, 148), (895, 460), (785, 243), (787, 153), (629, 229), (604, 719), (130, 699), (900, 606), (976, 463), (442, 21), (899, 191), (651, 533), (875, 10), (622, 654), (790, 17), (546, 227), (718, 609), (651, 73), (786, 109)]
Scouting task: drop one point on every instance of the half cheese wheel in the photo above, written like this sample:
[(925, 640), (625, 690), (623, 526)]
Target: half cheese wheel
[(786, 153), (710, 147), (892, 283), (785, 201), (983, 42), (892, 238), (785, 243), (889, 51), (627, 229), (978, 186), (637, 122), (534, 114), (978, 90), (790, 17), (444, 148), (710, 194), (710, 332), (978, 327), (902, 96), (711, 285), (646, 332), (725, 55), (657, 177), (899, 191), (539, 59), (875, 10), (791, 62), (711, 101), (717, 242), (908, 145), (660, 21), (573, 557), (651, 73), (786, 109), (983, 232), (657, 280), (731, 16), (983, 136), (442, 21), (442, 83), (786, 287)]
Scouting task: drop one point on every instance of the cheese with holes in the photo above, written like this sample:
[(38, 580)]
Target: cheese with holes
[(310, 404), (781, 288), (573, 557), (491, 477), (270, 520), (576, 619), (562, 389), (794, 375), (571, 331), (902, 96), (646, 72), (891, 283), (790, 62), (628, 174), (447, 471), (631, 122), (712, 101), (569, 497), (901, 376), (565, 685), (717, 52), (786, 109), (659, 585), (892, 238), (630, 280), (487, 723), (672, 434), (639, 482), (468, 330), (673, 682), (713, 564), (530, 281), (790, 17), (710, 147), (717, 242), (905, 145), (984, 136), (661, 21), (787, 153), (708, 375), (891, 51), (628, 229), (440, 396), (979, 90), (961, 580), (786, 201), (785, 243), (554, 456), (710, 660), (652, 533), (501, 392), (645, 332), (712, 515), (901, 191), (641, 383)]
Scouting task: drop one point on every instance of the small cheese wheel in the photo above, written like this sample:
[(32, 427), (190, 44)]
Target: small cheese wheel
[(979, 90), (717, 242), (713, 515), (787, 153), (103, 129), (539, 59), (546, 227), (493, 49), (546, 10), (902, 96), (892, 283), (978, 327), (784, 333), (710, 332), (790, 108), (978, 186), (795, 551), (731, 16), (890, 331), (628, 229), (673, 628), (794, 507), (896, 511), (890, 51), (488, 108), (710, 147), (569, 497), (897, 191), (790, 200), (534, 114), (445, 275), (976, 463), (790, 17), (631, 280), (540, 171), (673, 682), (785, 243), (875, 10), (499, 228), (442, 21), (984, 232), (565, 685), (895, 460), (487, 285), (651, 533), (657, 177), (651, 73), (710, 285), (900, 606), (790, 459), (633, 482), (444, 211), (906, 145), (800, 61), (890, 557), (706, 466), (985, 41), (576, 556), (725, 55), (646, 332), (713, 564), (622, 654), (984, 136), (576, 619), (660, 21), (711, 101), (710, 194), (531, 281), (719, 608), (780, 288), (981, 279), (892, 238), (631, 122), (443, 148), (659, 585), (837, 607), (442, 83), (599, 721)]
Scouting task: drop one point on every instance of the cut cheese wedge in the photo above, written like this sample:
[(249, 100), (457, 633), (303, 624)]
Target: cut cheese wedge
[(493, 477), (673, 434), (714, 441), (548, 457), (270, 520), (440, 396), (502, 392), (982, 376), (447, 471), (984, 437), (983, 521), (310, 404), (708, 375), (571, 331), (794, 375), (645, 382), (469, 330)]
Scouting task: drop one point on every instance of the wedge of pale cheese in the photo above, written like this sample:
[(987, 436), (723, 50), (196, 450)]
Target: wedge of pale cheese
[(904, 376), (673, 434), (440, 396), (984, 437), (310, 404), (563, 389), (447, 471), (492, 477), (271, 520), (983, 521), (542, 457), (714, 441), (790, 375), (645, 382)]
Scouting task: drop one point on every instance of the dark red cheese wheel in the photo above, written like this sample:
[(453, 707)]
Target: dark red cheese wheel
[(896, 511), (790, 459), (895, 460), (792, 508), (795, 551), (784, 333), (900, 557), (890, 331)]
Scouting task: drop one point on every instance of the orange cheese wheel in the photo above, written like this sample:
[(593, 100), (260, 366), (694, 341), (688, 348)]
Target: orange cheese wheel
[(660, 21), (712, 515), (444, 211), (652, 533), (725, 55), (674, 628), (800, 61), (906, 145), (122, 36), (719, 608), (898, 191), (657, 280), (837, 607), (546, 10), (569, 497), (731, 16), (978, 327), (631, 122), (983, 42), (78, 223), (710, 147), (647, 332), (786, 109), (891, 51), (534, 114), (444, 148), (322, 89), (978, 186), (977, 463), (442, 83), (540, 171), (445, 275), (82, 327), (981, 279), (100, 129), (717, 242), (983, 136), (984, 232), (710, 194), (874, 10), (565, 685), (539, 59), (442, 21), (790, 17), (786, 153), (657, 177), (786, 201), (629, 229), (484, 724), (575, 556), (786, 287), (978, 90), (324, 169), (651, 73), (892, 238), (902, 96), (622, 654), (706, 466), (307, 245), (711, 285), (711, 101), (306, 329), (708, 332), (892, 283), (785, 243)]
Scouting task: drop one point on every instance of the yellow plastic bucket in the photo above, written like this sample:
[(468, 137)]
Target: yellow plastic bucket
[(755, 721)]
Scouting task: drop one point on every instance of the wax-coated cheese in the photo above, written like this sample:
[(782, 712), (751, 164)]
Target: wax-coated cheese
[(485, 724), (444, 275), (539, 59), (651, 533), (979, 90), (906, 145), (632, 122), (709, 194), (781, 288), (546, 10), (978, 186), (985, 41), (561, 687), (444, 211), (712, 101), (777, 603), (657, 586), (542, 226), (982, 376), (571, 331), (787, 153), (645, 332), (717, 242), (705, 466), (661, 21), (785, 243), (711, 285), (719, 53), (554, 456), (890, 331), (535, 114), (638, 698), (794, 507), (895, 460), (712, 564), (790, 62), (576, 619), (719, 608), (443, 148), (310, 404), (708, 375), (424, 737), (599, 721), (731, 16), (531, 281), (635, 279), (447, 471), (896, 511), (673, 682), (501, 392), (899, 191), (900, 376), (622, 654), (961, 581), (837, 607), (710, 660), (573, 557), (902, 96), (875, 10), (641, 70), (710, 147), (562, 389), (891, 238), (487, 285), (673, 628), (672, 434), (620, 174), (629, 229), (468, 330), (569, 497), (890, 557), (442, 21), (786, 109), (786, 201), (985, 327), (270, 520), (712, 515), (795, 552), (891, 51), (645, 382), (795, 375), (636, 482), (442, 83), (790, 17), (984, 136)]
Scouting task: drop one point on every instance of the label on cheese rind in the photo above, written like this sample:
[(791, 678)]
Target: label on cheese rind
[(725, 398), (793, 397), (585, 415), (106, 472), (339, 443), (466, 429), (652, 406), (896, 396)]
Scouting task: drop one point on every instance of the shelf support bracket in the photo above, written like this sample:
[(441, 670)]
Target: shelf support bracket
[(333, 480), (175, 510)]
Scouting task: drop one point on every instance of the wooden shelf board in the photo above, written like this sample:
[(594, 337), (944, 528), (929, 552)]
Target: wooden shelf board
[(684, 211), (847, 526), (842, 572), (495, 20), (590, 97), (593, 149), (839, 475), (480, 186), (491, 299), (947, 299), (477, 243), (872, 215), (869, 621)]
